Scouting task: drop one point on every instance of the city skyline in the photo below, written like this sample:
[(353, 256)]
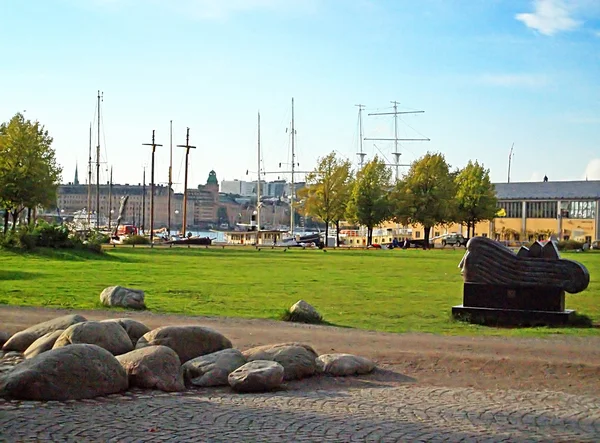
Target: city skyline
[(487, 75)]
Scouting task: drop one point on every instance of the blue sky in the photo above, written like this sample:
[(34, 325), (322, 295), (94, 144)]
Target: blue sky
[(487, 73)]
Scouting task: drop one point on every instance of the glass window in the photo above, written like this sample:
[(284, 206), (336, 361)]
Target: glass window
[(513, 209), (578, 209), (542, 209)]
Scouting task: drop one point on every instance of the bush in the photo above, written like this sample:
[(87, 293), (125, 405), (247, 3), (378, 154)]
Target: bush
[(569, 245), (47, 235), (51, 236), (136, 240)]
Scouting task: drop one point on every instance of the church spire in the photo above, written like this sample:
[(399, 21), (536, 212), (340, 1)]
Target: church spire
[(76, 181)]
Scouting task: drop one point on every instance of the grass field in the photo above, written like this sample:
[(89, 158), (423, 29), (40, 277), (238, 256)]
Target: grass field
[(395, 291)]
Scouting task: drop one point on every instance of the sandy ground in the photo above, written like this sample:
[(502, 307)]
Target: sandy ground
[(564, 364)]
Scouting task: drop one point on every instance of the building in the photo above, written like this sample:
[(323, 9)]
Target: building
[(567, 209), (532, 211), (206, 206)]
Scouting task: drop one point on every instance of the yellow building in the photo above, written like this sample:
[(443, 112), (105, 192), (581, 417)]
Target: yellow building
[(533, 211)]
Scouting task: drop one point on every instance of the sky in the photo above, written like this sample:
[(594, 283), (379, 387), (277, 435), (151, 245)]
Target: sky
[(488, 74)]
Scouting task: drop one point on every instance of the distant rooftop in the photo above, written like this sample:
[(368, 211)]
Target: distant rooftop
[(559, 190)]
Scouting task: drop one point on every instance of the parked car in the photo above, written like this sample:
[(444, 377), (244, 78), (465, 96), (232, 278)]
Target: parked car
[(453, 239)]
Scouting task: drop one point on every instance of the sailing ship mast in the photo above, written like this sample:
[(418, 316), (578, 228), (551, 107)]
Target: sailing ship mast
[(396, 153), (361, 154), (258, 186), (98, 168), (170, 179), (89, 196), (293, 166)]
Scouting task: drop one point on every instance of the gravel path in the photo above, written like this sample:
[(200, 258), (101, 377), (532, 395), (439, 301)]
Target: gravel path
[(429, 388)]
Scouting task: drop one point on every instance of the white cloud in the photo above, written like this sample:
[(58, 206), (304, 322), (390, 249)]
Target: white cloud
[(592, 171), (522, 80), (550, 17)]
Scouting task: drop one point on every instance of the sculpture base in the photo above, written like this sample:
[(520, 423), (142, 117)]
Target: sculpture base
[(529, 298), (512, 317)]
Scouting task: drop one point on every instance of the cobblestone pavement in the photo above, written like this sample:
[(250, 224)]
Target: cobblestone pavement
[(405, 413)]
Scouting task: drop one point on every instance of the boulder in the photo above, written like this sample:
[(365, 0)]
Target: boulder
[(70, 373), (107, 335), (123, 297), (134, 328), (43, 344), (212, 369), (344, 364), (188, 341), (256, 376), (302, 312), (154, 367), (9, 360), (4, 336), (22, 340), (297, 359)]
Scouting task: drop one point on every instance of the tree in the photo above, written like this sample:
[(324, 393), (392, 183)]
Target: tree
[(325, 195), (425, 195), (369, 204), (222, 216), (475, 196), (29, 174)]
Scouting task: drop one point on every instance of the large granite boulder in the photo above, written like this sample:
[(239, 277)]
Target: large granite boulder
[(134, 328), (256, 376), (344, 364), (153, 367), (107, 335), (212, 369), (23, 339), (297, 359), (303, 312), (43, 344), (188, 341), (70, 373), (123, 297)]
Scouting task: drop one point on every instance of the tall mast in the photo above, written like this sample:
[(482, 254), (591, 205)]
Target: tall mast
[(154, 145), (258, 185), (170, 178), (98, 169), (144, 200), (293, 166), (187, 154), (397, 154), (110, 185), (361, 154), (89, 196), (510, 156)]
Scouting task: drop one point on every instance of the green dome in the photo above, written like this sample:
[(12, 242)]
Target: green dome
[(212, 178)]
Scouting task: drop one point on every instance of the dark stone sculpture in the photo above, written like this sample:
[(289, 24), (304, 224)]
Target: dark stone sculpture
[(523, 288)]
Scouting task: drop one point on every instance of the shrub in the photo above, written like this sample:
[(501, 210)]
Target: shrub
[(51, 235), (569, 245), (136, 240)]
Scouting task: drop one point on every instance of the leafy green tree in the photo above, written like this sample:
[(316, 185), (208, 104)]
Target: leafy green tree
[(475, 196), (425, 195), (29, 174), (326, 192), (222, 215), (369, 204)]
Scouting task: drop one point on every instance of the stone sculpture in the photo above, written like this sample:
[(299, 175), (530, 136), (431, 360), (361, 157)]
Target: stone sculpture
[(523, 288)]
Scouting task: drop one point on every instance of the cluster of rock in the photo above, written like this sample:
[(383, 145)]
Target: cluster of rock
[(72, 358)]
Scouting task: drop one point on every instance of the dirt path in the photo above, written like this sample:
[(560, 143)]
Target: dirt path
[(564, 364)]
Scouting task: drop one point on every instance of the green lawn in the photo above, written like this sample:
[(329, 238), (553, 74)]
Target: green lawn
[(396, 291)]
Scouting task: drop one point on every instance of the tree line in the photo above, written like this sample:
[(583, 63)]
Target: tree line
[(29, 173), (430, 194)]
